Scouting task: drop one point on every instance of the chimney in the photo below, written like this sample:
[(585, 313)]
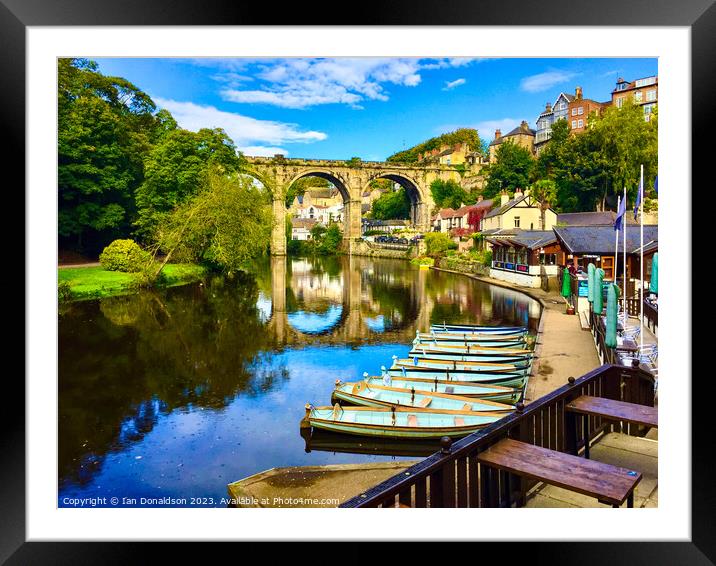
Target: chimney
[(548, 107), (518, 193), (578, 93), (479, 198), (504, 198), (523, 125), (527, 192), (498, 134)]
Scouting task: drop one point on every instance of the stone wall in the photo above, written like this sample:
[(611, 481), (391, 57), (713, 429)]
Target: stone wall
[(456, 264), (363, 248)]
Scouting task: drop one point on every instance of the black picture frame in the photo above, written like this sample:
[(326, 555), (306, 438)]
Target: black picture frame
[(698, 15)]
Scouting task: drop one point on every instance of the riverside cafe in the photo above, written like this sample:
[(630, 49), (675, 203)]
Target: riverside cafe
[(524, 257), (583, 245)]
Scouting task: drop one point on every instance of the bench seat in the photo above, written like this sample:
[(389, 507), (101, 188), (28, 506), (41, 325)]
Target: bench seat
[(609, 484)]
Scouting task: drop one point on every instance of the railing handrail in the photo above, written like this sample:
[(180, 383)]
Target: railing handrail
[(393, 486)]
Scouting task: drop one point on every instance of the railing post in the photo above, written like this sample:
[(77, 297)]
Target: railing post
[(570, 424)]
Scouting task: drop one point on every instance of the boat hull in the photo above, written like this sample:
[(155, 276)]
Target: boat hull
[(477, 329), (464, 389)]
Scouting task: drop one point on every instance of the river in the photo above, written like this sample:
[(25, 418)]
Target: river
[(178, 392)]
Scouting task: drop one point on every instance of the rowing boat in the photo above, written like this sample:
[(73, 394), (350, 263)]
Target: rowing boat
[(504, 378), (400, 422), (477, 328), (472, 348), (497, 357), (476, 342), (476, 366), (465, 338), (463, 388), (373, 395)]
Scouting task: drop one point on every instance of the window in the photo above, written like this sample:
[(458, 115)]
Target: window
[(517, 221), (620, 102), (562, 105), (580, 124), (637, 96), (651, 95), (574, 124), (580, 111), (574, 111)]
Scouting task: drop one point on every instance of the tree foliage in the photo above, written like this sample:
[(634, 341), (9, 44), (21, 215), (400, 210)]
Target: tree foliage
[(391, 205), (512, 169), (461, 135), (449, 194), (176, 167), (105, 128), (590, 169), (437, 243), (225, 224)]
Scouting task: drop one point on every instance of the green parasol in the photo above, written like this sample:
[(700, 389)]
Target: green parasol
[(590, 288), (654, 279), (610, 340), (598, 294), (566, 284)]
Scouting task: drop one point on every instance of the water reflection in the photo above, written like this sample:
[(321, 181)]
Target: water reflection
[(179, 392)]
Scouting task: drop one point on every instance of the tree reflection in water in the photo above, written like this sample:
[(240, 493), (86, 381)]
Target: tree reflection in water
[(229, 364)]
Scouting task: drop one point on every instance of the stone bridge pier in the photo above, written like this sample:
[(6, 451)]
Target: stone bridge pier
[(351, 178)]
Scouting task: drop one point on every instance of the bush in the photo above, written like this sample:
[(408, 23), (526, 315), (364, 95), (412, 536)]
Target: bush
[(64, 291), (124, 255), (438, 243), (423, 261)]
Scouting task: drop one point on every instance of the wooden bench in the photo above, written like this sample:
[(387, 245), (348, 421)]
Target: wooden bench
[(611, 485), (607, 409)]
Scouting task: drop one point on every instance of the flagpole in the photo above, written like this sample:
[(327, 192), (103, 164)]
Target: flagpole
[(624, 266), (616, 245), (641, 262)]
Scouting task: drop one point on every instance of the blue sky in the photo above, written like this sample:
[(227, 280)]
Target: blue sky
[(365, 107)]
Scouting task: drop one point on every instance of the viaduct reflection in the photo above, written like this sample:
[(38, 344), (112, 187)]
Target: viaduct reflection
[(352, 299)]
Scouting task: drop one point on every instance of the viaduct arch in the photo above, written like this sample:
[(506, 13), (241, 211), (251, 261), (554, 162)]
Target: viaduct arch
[(351, 178)]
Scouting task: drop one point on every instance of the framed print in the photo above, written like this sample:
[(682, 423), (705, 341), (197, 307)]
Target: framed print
[(295, 268)]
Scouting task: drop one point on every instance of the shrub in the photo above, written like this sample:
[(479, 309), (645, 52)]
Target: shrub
[(423, 261), (438, 243), (124, 255), (64, 291)]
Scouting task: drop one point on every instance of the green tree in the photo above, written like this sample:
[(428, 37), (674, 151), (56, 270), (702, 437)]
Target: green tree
[(391, 205), (105, 127), (177, 167), (449, 194), (512, 169), (226, 224)]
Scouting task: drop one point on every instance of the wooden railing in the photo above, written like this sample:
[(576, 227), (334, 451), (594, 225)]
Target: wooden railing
[(651, 317), (632, 305), (454, 478)]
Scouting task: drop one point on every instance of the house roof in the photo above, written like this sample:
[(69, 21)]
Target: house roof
[(592, 218), (520, 130), (586, 218), (505, 207), (600, 239), (303, 222), (530, 239), (372, 222)]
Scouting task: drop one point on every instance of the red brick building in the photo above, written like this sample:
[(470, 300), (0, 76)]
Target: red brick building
[(579, 110), (644, 92)]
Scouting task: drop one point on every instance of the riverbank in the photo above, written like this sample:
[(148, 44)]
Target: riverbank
[(563, 349), (94, 282)]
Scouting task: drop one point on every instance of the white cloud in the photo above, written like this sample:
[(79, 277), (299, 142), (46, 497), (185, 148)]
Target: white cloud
[(300, 83), (546, 80), (486, 129), (243, 130), (449, 85), (262, 150)]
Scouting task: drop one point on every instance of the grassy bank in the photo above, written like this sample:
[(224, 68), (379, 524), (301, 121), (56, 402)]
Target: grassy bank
[(95, 282)]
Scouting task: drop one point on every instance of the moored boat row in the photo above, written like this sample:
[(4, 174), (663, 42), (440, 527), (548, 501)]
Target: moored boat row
[(457, 380)]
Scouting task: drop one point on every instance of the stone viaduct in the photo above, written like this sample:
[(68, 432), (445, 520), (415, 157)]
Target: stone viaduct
[(351, 178)]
